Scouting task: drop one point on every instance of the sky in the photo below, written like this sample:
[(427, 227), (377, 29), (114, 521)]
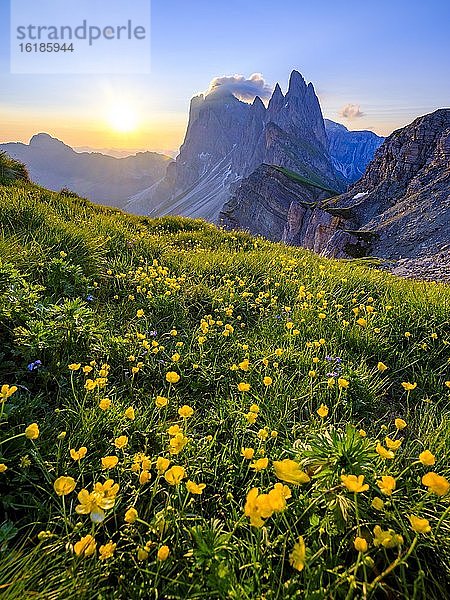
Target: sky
[(374, 64)]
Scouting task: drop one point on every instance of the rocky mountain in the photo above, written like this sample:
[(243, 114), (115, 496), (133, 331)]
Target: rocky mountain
[(103, 179), (399, 210), (351, 151), (227, 139)]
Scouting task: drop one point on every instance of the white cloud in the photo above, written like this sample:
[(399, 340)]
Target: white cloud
[(241, 87), (351, 111)]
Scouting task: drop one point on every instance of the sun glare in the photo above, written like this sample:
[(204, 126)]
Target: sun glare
[(122, 118)]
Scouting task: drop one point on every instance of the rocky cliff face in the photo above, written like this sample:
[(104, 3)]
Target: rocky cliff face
[(227, 140), (351, 151), (399, 210)]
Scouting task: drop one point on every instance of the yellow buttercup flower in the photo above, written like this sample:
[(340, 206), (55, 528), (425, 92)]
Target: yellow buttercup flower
[(95, 503), (32, 431), (75, 366), (419, 525), (260, 464), (263, 434), (323, 411), (243, 387), (386, 485), (297, 557), (7, 391), (64, 485), (130, 413), (343, 383), (161, 401), (195, 488), (362, 433), (107, 550), (289, 471), (104, 404), (447, 383), (251, 417), (362, 322), (163, 553), (174, 430), (144, 477), (426, 458), (140, 313), (172, 377), (360, 544), (78, 454), (409, 386), (3, 467), (185, 411), (267, 381), (248, 453), (142, 554), (400, 424), (381, 367), (354, 483), (387, 539), (131, 515), (381, 450), (121, 441), (177, 443), (174, 475), (393, 444), (377, 504), (254, 408), (436, 483), (109, 462), (162, 464), (86, 546)]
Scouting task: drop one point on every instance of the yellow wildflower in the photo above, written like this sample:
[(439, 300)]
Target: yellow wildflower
[(297, 557), (243, 387), (387, 539), (174, 475), (64, 485), (32, 431), (248, 453), (362, 433), (131, 515), (75, 366), (78, 454), (323, 411), (381, 367), (377, 504), (163, 553), (260, 464), (121, 441), (86, 546), (104, 404), (419, 525), (267, 381), (343, 383), (360, 544), (140, 313), (195, 488), (392, 444), (400, 423), (185, 411), (172, 377), (130, 413), (109, 462), (386, 485), (162, 464), (381, 450), (426, 458), (95, 503), (289, 471), (409, 386), (3, 467), (354, 483), (107, 550), (161, 401), (436, 483)]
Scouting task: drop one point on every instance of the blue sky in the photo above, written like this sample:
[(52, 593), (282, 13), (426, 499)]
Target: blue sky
[(390, 58)]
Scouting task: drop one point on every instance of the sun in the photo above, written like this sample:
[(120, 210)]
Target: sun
[(122, 118)]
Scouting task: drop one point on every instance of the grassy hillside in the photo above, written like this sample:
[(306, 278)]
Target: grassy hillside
[(269, 378)]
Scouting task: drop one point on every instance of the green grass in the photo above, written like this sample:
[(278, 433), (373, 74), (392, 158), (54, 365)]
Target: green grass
[(311, 181), (73, 277)]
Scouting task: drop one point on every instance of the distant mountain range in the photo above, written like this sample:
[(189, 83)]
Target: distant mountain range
[(103, 179), (227, 140)]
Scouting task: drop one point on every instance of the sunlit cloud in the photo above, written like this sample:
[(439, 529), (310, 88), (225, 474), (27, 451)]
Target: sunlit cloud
[(245, 89), (351, 111)]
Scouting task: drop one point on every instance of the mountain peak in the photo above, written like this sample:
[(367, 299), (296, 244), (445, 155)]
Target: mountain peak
[(45, 140), (296, 83), (276, 101)]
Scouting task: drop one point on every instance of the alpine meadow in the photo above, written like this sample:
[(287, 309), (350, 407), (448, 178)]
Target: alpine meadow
[(189, 412)]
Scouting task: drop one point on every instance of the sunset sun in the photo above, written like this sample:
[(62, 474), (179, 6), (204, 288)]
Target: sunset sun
[(122, 118)]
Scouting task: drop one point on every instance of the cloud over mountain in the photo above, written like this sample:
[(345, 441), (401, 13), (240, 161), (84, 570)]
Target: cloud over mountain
[(351, 111), (243, 88)]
